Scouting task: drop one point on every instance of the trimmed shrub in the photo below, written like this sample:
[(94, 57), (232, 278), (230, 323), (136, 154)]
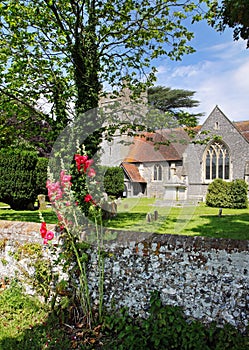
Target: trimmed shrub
[(227, 194), (218, 194), (18, 178), (114, 181), (238, 194)]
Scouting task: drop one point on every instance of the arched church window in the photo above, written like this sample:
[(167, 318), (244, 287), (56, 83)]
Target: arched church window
[(158, 172), (217, 162)]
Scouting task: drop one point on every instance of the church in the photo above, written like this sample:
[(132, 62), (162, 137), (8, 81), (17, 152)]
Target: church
[(170, 165)]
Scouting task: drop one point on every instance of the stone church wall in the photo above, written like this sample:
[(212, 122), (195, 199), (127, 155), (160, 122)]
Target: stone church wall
[(217, 124)]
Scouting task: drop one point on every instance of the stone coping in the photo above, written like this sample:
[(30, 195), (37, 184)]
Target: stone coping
[(173, 241), (26, 231), (21, 230), (23, 226)]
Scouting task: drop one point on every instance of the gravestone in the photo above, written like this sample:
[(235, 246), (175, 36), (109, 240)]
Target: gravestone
[(42, 201), (155, 215), (148, 217)]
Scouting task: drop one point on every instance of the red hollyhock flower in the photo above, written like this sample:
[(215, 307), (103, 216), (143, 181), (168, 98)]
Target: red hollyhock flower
[(88, 198), (46, 235), (80, 161), (43, 229), (87, 164)]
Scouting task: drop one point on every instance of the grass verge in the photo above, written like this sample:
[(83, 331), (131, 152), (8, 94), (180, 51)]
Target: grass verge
[(26, 324)]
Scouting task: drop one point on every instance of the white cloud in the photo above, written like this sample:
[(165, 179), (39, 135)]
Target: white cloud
[(218, 74), (241, 76), (190, 70)]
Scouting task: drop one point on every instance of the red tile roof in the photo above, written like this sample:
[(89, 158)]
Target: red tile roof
[(132, 172), (167, 144), (243, 127), (163, 145)]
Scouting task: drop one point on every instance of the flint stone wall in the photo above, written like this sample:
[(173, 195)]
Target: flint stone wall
[(209, 278)]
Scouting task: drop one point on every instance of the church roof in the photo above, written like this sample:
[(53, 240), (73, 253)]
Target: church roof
[(132, 172), (163, 145), (243, 127), (168, 144)]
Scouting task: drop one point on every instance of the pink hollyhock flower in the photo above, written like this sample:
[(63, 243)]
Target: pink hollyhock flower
[(91, 172), (65, 179), (48, 182), (62, 174), (59, 216), (88, 198), (45, 241), (54, 190), (59, 194), (49, 235)]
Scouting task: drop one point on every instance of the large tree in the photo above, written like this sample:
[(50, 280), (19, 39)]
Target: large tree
[(175, 103), (24, 127), (232, 14), (65, 51)]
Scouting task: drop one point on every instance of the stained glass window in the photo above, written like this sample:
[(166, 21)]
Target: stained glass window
[(217, 162)]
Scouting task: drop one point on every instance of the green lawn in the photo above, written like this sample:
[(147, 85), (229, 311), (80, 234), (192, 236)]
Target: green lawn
[(26, 215), (186, 220)]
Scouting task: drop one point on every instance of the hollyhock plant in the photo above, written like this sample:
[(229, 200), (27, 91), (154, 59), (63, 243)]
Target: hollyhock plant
[(84, 185), (72, 198)]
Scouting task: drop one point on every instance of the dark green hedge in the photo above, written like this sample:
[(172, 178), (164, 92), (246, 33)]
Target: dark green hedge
[(22, 177), (114, 181), (41, 175), (225, 194)]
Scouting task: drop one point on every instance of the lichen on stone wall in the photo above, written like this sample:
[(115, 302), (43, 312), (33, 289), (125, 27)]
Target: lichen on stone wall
[(208, 278)]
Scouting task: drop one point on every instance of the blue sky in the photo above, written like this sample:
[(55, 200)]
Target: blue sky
[(218, 71)]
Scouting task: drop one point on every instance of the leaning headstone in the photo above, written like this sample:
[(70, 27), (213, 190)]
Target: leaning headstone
[(42, 201), (148, 217)]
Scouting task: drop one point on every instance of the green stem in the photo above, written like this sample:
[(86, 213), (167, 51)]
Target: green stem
[(83, 284), (100, 264), (84, 288)]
